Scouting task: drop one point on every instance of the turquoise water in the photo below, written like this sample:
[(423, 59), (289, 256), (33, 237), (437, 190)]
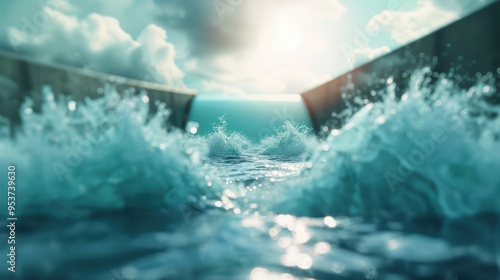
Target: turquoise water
[(254, 116), (407, 189)]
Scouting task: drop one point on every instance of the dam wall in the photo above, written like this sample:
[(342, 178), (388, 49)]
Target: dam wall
[(21, 77), (468, 46)]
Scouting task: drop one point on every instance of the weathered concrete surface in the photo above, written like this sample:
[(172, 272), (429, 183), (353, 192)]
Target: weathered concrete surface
[(21, 77), (468, 46)]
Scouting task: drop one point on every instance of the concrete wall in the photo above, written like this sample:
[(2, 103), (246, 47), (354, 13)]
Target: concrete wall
[(468, 46), (21, 76)]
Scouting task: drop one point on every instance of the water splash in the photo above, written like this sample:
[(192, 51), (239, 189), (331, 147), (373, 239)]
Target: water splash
[(289, 206), (224, 143), (290, 139), (434, 151), (102, 155)]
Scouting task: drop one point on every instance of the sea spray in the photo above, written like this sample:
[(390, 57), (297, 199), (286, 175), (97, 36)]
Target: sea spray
[(101, 155), (162, 208), (435, 151), (226, 143), (289, 140)]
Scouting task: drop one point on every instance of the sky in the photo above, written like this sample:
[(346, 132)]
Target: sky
[(221, 46)]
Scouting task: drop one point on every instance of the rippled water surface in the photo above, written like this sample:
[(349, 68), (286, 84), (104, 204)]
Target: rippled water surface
[(407, 189)]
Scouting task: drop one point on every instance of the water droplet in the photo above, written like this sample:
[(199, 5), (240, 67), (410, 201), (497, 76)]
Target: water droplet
[(380, 120), (393, 244), (470, 92), (304, 261), (49, 96), (230, 193), (338, 268), (72, 105), (322, 248), (192, 127), (273, 232), (28, 111), (390, 80), (330, 221), (145, 99)]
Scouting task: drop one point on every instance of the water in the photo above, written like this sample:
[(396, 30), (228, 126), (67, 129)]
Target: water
[(254, 116), (404, 190)]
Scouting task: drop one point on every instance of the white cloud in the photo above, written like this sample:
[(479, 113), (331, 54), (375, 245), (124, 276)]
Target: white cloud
[(97, 35), (405, 26), (228, 73), (240, 71), (297, 80), (220, 88), (95, 42), (133, 15), (365, 54), (260, 46)]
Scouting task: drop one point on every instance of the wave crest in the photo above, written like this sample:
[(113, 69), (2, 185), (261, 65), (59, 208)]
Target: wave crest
[(101, 155), (435, 151)]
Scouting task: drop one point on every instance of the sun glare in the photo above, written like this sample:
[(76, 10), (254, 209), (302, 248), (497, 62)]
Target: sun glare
[(283, 38), (283, 35), (289, 48)]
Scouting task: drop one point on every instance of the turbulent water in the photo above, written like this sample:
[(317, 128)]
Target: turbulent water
[(408, 188)]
